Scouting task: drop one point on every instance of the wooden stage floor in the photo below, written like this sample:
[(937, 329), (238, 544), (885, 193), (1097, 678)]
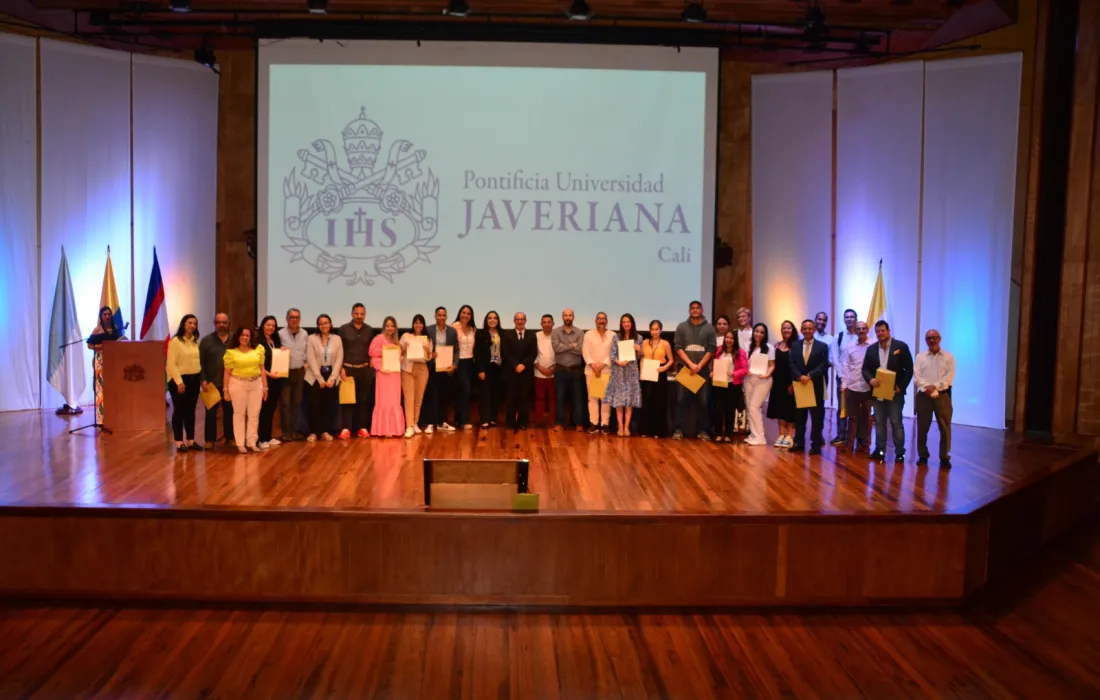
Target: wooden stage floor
[(43, 464)]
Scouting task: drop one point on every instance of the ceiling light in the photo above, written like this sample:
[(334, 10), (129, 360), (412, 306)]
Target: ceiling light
[(179, 5), (317, 7), (579, 9), (694, 12), (457, 8)]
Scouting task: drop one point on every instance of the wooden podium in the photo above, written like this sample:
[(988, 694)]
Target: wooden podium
[(133, 385)]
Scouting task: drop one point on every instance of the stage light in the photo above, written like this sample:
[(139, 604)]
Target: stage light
[(457, 8), (579, 9), (814, 25), (694, 12), (205, 57), (179, 5), (317, 7)]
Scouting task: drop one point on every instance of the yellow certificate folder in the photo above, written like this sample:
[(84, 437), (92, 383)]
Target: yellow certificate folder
[(210, 396), (691, 382), (597, 386), (885, 388), (347, 391), (804, 396)]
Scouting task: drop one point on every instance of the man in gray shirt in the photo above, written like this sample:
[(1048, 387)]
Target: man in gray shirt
[(695, 343), (212, 370), (566, 340), (295, 339)]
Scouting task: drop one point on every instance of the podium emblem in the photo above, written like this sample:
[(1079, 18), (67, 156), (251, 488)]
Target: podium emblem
[(133, 373)]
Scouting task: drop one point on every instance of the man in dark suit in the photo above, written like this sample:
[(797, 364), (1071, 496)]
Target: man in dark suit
[(438, 391), (518, 349), (809, 363), (893, 355)]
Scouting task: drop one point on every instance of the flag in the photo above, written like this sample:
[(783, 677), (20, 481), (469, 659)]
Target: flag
[(880, 310), (154, 323), (65, 370), (109, 296)]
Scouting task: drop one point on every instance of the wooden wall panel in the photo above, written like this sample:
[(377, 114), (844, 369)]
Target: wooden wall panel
[(733, 283)]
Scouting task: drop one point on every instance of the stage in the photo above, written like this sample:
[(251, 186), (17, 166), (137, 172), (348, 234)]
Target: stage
[(623, 521)]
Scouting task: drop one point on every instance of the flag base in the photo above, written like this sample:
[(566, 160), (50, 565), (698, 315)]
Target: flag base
[(68, 410)]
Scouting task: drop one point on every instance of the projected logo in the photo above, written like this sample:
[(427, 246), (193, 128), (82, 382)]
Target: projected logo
[(360, 222)]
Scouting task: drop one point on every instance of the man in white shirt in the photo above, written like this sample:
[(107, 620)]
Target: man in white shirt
[(596, 351), (844, 340), (857, 392), (934, 374), (294, 338), (544, 373)]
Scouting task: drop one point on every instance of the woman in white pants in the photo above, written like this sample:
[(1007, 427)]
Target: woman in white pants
[(758, 382), (246, 387)]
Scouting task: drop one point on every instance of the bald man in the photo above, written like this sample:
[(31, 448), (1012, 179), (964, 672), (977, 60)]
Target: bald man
[(933, 374), (567, 340)]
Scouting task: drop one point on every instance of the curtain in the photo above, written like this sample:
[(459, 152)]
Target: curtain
[(971, 113), (85, 165), (878, 165), (18, 223), (175, 113), (792, 144)]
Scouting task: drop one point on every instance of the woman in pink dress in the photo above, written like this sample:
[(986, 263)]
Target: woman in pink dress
[(389, 419)]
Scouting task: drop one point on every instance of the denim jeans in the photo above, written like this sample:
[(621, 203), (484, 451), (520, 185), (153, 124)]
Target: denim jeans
[(890, 411), (569, 384), (692, 408)]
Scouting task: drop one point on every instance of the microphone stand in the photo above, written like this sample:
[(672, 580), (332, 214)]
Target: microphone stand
[(96, 425)]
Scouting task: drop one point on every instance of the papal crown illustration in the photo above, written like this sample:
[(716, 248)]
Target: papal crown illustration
[(362, 141)]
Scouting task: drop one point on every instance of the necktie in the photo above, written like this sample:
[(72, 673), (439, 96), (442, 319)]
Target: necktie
[(806, 352), (521, 335)]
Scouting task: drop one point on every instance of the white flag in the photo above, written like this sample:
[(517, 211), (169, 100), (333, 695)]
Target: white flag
[(65, 371)]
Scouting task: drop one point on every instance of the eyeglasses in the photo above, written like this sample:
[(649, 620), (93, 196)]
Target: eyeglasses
[(931, 337)]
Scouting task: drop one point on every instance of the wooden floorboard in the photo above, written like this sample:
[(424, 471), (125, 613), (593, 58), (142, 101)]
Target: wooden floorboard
[(43, 464), (1034, 636)]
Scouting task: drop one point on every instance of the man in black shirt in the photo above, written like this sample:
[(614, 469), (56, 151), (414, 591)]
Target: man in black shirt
[(356, 337)]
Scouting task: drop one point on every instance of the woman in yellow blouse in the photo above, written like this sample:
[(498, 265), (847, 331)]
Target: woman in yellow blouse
[(655, 394), (246, 387), (183, 371)]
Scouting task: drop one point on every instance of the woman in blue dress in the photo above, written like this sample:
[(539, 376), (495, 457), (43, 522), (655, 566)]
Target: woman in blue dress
[(624, 391)]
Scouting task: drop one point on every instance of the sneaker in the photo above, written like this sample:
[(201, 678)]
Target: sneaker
[(429, 430), (788, 441), (446, 426), (838, 441), (704, 437), (326, 437), (311, 438), (417, 430), (274, 442), (593, 430), (780, 442), (345, 434), (362, 433), (409, 432), (263, 445), (678, 435)]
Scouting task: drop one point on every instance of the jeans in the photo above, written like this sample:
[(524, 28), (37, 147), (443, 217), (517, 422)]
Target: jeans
[(290, 402), (569, 384), (890, 412), (940, 407), (464, 380), (692, 408)]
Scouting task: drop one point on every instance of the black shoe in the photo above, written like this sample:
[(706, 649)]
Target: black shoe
[(815, 450), (838, 441), (196, 448), (593, 429), (899, 458), (797, 447), (878, 455), (945, 464), (181, 448), (922, 461)]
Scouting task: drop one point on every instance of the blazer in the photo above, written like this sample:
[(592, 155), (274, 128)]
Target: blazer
[(452, 337), (899, 361), (815, 368), (515, 352), (315, 357), (482, 348)]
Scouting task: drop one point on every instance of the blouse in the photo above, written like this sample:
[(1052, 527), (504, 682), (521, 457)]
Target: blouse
[(376, 346), (655, 353), (244, 365), (330, 354), (465, 343), (183, 358), (406, 338)]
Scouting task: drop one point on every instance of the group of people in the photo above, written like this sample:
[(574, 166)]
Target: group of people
[(558, 369)]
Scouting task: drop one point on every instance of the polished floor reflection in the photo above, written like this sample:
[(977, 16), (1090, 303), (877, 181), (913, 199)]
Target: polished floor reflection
[(43, 464)]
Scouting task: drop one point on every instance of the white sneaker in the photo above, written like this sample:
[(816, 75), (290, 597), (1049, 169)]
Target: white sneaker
[(429, 430), (446, 426), (263, 445), (780, 442), (417, 430), (311, 438), (326, 437), (408, 432), (274, 442)]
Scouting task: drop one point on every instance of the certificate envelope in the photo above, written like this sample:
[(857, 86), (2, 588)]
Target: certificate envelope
[(626, 351), (416, 347), (391, 358), (885, 388), (650, 370), (280, 362), (347, 391), (597, 386), (758, 364), (691, 382), (804, 396), (719, 372), (211, 396), (444, 357)]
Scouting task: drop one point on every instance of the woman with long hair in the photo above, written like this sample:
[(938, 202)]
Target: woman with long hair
[(324, 358), (758, 384), (246, 387), (466, 365), (414, 374), (104, 330), (387, 420), (624, 392), (269, 339), (487, 355), (655, 394), (781, 398), (185, 375), (730, 398)]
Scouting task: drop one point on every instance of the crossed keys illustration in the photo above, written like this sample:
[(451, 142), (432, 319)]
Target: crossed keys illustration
[(405, 168)]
